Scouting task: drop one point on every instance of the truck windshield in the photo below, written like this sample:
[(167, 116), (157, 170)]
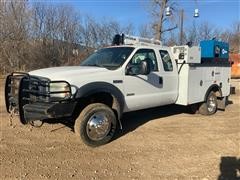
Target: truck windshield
[(110, 58)]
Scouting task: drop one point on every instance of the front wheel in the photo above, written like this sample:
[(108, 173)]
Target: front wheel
[(96, 124), (209, 107)]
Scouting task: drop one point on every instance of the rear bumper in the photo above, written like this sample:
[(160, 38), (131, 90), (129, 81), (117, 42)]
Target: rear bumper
[(41, 111)]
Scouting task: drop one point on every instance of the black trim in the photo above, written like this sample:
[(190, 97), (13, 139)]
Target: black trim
[(117, 81), (41, 111), (7, 91), (210, 89), (98, 87), (130, 94), (211, 63), (184, 62), (160, 80), (22, 95)]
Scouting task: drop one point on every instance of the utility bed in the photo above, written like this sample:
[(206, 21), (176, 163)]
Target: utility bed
[(197, 74)]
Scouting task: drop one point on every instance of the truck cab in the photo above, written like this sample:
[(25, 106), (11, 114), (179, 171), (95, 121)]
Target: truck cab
[(156, 86), (135, 73)]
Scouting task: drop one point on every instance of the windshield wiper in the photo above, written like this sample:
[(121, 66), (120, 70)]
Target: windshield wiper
[(97, 65), (111, 65)]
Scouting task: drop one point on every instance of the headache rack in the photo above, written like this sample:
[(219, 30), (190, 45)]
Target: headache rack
[(22, 88)]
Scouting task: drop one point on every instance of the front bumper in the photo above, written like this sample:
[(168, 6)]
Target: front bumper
[(41, 111), (30, 96)]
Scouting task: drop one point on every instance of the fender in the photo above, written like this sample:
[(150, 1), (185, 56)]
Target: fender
[(97, 87), (213, 86)]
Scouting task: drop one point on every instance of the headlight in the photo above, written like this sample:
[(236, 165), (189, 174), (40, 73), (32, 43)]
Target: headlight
[(59, 90)]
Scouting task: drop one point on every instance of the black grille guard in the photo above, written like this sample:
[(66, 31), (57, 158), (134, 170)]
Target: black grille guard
[(22, 88)]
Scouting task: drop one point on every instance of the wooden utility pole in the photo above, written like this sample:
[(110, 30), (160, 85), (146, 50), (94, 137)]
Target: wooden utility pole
[(181, 27)]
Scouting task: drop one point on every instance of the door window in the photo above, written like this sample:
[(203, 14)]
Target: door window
[(140, 55), (166, 60)]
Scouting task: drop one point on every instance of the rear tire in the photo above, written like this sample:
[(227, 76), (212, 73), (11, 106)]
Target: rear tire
[(210, 106), (96, 124)]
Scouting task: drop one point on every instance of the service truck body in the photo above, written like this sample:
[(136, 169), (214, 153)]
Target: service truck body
[(170, 75)]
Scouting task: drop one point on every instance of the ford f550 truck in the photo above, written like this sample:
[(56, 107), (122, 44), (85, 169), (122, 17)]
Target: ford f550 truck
[(134, 73)]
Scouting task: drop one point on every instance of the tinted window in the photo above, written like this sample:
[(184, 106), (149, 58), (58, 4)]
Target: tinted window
[(166, 60), (144, 54)]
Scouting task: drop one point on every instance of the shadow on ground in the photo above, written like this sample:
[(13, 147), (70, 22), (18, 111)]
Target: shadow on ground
[(229, 168), (133, 120)]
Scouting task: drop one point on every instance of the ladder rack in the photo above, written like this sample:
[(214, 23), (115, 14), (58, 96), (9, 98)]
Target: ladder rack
[(134, 40), (141, 41)]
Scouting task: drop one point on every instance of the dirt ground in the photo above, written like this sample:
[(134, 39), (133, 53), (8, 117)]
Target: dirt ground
[(159, 143)]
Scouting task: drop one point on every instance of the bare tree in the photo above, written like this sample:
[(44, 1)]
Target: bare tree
[(234, 38), (203, 31), (99, 34), (145, 31), (192, 34), (171, 40), (13, 34), (161, 21), (58, 32), (46, 34), (208, 31)]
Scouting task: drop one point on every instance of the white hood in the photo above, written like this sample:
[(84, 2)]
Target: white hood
[(67, 72)]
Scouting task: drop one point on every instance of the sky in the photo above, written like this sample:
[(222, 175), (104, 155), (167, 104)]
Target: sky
[(221, 13)]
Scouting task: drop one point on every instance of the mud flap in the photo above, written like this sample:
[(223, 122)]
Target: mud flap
[(222, 103), (232, 90)]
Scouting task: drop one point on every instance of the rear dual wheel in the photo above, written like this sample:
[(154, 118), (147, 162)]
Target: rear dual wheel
[(209, 107)]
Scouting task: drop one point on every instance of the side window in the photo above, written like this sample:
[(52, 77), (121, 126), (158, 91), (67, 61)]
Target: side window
[(166, 60), (144, 54)]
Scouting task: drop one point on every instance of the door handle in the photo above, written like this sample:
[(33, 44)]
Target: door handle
[(160, 80)]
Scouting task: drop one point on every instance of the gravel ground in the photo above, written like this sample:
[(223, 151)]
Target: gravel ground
[(160, 143)]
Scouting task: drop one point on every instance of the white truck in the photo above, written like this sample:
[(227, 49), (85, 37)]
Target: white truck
[(135, 73)]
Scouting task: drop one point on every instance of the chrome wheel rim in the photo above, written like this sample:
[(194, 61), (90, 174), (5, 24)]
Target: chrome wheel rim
[(98, 126), (211, 104)]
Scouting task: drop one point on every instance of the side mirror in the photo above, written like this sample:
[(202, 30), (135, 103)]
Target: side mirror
[(145, 67), (142, 68)]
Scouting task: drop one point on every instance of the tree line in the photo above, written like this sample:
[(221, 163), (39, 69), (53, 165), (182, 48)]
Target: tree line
[(40, 35)]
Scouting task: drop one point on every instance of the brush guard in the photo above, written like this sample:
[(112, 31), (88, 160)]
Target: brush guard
[(30, 98)]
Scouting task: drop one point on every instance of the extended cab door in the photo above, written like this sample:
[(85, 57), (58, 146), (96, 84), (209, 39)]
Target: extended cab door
[(159, 87)]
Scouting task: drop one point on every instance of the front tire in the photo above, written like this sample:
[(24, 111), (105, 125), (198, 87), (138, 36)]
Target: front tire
[(96, 124), (209, 107)]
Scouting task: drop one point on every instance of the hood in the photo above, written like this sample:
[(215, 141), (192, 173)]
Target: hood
[(67, 72)]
